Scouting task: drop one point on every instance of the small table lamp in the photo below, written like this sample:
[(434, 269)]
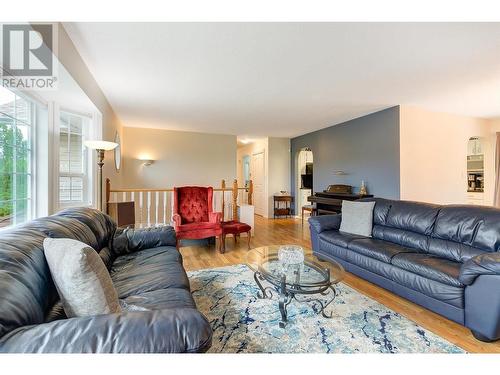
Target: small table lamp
[(100, 147)]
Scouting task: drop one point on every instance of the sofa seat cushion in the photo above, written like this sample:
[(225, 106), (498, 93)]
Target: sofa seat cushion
[(163, 299), (198, 230), (449, 294), (402, 237), (439, 269), (198, 226), (378, 249), (148, 270), (339, 238), (368, 263)]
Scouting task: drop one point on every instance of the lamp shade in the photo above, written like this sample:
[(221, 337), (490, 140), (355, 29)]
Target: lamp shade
[(100, 145)]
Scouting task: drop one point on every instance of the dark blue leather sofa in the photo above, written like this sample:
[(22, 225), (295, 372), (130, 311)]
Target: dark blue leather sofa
[(445, 258), (146, 270)]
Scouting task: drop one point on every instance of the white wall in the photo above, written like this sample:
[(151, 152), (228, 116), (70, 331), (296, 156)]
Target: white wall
[(68, 55), (181, 158), (301, 195), (257, 146), (279, 168), (433, 156)]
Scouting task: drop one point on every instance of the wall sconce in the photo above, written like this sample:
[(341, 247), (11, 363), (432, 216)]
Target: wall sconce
[(339, 173), (147, 163)]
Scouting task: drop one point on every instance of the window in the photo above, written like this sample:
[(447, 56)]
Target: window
[(73, 164), (16, 183)]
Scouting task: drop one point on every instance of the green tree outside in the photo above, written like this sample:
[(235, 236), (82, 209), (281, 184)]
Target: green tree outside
[(13, 144)]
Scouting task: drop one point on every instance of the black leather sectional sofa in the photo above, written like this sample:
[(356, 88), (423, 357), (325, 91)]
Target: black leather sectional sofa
[(146, 270), (445, 258)]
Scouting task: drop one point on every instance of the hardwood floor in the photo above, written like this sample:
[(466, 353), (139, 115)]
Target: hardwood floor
[(286, 231)]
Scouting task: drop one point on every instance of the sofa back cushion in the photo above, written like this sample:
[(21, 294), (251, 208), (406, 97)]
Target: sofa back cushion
[(462, 232), (454, 232), (27, 292), (402, 237), (405, 223), (26, 288), (413, 216), (101, 225), (455, 251)]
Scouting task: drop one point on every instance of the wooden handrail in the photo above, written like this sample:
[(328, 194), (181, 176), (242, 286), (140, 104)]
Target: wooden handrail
[(223, 187), (250, 192), (137, 190)]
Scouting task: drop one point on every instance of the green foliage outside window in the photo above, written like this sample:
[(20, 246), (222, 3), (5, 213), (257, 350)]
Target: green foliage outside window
[(14, 158)]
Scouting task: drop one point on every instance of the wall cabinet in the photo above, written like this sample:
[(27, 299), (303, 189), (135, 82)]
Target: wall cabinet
[(475, 171), (474, 146)]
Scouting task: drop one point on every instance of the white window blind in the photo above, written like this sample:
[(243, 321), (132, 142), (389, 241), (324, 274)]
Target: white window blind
[(73, 166)]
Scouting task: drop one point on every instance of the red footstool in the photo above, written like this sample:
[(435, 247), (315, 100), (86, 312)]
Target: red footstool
[(235, 228)]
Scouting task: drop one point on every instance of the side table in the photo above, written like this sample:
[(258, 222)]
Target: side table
[(282, 205)]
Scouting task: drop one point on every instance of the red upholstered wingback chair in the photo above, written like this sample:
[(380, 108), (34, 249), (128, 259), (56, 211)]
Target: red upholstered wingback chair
[(193, 217)]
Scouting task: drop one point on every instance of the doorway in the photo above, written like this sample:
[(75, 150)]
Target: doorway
[(303, 179), (246, 169), (257, 170)]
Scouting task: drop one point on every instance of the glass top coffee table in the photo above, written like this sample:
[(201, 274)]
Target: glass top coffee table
[(305, 282)]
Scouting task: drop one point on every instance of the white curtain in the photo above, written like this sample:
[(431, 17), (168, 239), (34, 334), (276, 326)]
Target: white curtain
[(496, 200)]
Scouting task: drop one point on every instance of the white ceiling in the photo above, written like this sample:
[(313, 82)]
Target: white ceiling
[(287, 79)]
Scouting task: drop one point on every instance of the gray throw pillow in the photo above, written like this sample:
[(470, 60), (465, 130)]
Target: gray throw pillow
[(81, 278), (357, 218)]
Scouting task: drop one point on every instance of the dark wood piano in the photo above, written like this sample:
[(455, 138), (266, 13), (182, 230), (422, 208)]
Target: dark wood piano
[(330, 200)]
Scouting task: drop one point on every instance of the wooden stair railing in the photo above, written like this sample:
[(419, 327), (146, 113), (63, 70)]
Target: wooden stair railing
[(154, 206)]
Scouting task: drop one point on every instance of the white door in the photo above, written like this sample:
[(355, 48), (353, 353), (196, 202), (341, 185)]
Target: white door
[(257, 175)]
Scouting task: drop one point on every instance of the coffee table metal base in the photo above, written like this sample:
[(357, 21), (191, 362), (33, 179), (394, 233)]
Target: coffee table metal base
[(286, 295)]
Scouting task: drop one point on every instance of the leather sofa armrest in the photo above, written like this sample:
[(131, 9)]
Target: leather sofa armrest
[(131, 240), (180, 330), (325, 222), (215, 217), (482, 264)]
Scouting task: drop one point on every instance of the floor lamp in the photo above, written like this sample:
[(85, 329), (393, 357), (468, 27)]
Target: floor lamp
[(100, 147)]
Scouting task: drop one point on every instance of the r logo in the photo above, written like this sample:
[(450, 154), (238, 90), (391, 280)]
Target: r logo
[(27, 49)]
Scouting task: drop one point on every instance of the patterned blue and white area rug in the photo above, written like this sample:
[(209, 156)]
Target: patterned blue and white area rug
[(244, 323)]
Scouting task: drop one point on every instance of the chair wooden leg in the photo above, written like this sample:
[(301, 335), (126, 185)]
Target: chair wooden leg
[(302, 215), (222, 244), (248, 240)]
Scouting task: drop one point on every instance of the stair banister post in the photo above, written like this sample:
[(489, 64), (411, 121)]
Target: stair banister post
[(250, 192), (235, 199), (223, 186)]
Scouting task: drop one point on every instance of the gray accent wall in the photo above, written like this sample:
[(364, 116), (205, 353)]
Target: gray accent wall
[(366, 148)]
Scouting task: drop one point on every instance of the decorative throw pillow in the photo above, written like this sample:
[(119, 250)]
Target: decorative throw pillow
[(357, 218), (81, 278)]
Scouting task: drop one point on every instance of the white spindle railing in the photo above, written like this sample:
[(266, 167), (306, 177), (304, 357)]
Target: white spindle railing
[(155, 206)]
